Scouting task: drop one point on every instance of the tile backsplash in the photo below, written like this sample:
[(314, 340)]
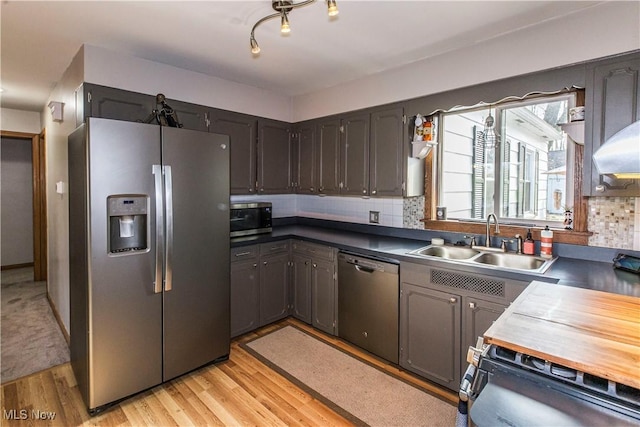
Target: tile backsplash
[(614, 221)]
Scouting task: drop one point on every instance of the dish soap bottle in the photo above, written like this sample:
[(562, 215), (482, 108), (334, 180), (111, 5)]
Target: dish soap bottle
[(546, 243), (528, 247)]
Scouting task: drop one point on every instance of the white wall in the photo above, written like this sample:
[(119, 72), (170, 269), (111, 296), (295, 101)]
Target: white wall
[(17, 202), (20, 121), (610, 28), (105, 67), (58, 204)]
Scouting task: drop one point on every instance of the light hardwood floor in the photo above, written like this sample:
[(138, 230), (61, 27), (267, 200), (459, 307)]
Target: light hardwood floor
[(240, 391)]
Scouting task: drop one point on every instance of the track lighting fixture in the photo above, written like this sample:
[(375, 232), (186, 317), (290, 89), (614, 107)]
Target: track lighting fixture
[(282, 8)]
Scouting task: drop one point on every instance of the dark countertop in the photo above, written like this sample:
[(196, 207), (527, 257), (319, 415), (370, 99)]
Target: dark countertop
[(586, 274)]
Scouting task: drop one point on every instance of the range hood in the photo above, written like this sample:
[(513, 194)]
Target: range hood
[(620, 155)]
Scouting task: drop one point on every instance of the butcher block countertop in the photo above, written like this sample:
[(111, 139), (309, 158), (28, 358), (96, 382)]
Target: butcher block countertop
[(591, 331)]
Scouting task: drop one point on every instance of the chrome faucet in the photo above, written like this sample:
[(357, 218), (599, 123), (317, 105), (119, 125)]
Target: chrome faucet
[(487, 242)]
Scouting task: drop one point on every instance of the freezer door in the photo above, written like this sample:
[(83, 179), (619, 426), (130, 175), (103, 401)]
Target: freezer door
[(196, 293), (125, 331)]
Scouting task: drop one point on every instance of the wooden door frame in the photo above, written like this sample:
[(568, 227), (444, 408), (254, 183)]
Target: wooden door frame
[(39, 199)]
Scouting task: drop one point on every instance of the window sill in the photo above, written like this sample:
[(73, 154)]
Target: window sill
[(560, 235)]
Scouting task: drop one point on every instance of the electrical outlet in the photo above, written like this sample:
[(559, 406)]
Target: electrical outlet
[(374, 217)]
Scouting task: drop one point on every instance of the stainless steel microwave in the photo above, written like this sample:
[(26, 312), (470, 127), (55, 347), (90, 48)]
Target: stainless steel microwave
[(250, 218)]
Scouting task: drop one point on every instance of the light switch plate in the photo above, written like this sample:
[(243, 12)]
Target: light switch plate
[(374, 217)]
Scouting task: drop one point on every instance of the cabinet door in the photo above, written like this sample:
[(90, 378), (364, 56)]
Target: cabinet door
[(354, 159), (305, 164), (244, 297), (323, 290), (615, 102), (242, 132), (110, 103), (477, 316), (430, 334), (328, 156), (274, 285), (301, 288), (274, 156), (191, 116), (385, 153)]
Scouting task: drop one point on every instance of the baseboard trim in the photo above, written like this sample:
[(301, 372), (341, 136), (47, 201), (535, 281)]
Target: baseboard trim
[(15, 266), (54, 309)]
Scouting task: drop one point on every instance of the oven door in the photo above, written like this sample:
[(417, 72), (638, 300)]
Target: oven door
[(512, 396)]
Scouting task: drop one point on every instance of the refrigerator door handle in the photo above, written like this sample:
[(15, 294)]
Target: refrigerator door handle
[(168, 192), (157, 282)]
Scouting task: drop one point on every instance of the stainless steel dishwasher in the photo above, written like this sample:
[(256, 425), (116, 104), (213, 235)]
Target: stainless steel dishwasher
[(368, 301)]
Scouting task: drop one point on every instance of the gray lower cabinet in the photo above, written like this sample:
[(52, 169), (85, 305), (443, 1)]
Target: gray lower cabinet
[(477, 316), (259, 285), (245, 290), (430, 333), (315, 285), (274, 281), (442, 312), (323, 295), (301, 287)]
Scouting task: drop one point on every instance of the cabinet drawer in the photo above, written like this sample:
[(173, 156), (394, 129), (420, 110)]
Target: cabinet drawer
[(314, 250), (244, 253), (274, 247)]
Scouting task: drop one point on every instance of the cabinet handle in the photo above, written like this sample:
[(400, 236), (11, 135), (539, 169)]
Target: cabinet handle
[(374, 191), (315, 265), (264, 263), (306, 263), (255, 265), (364, 191), (453, 300), (312, 189), (472, 305), (243, 254)]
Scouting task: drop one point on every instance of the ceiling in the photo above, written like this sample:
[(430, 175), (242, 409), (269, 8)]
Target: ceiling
[(39, 39)]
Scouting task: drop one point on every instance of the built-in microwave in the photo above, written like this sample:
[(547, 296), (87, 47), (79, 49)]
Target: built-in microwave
[(250, 218)]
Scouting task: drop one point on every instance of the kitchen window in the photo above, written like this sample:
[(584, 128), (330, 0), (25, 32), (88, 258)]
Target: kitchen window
[(511, 159)]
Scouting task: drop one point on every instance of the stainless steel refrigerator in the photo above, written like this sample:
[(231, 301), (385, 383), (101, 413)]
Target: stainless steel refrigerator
[(149, 255)]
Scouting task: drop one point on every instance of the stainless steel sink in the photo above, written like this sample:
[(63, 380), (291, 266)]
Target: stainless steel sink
[(506, 260), (448, 252), (499, 260)]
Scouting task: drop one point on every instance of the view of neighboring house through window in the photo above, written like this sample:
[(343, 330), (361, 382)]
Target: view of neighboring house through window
[(520, 168)]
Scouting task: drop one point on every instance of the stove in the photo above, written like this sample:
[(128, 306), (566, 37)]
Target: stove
[(511, 388)]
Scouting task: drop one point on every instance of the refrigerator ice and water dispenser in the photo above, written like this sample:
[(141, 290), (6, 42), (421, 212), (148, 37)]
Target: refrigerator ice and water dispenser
[(127, 223)]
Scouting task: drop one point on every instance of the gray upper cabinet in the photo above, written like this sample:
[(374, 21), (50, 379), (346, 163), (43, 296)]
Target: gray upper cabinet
[(274, 157), (110, 103), (304, 158), (613, 92), (328, 156), (354, 160), (242, 131), (386, 152), (191, 116)]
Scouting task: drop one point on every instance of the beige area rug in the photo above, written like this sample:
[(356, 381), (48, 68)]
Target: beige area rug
[(31, 339), (358, 391)]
